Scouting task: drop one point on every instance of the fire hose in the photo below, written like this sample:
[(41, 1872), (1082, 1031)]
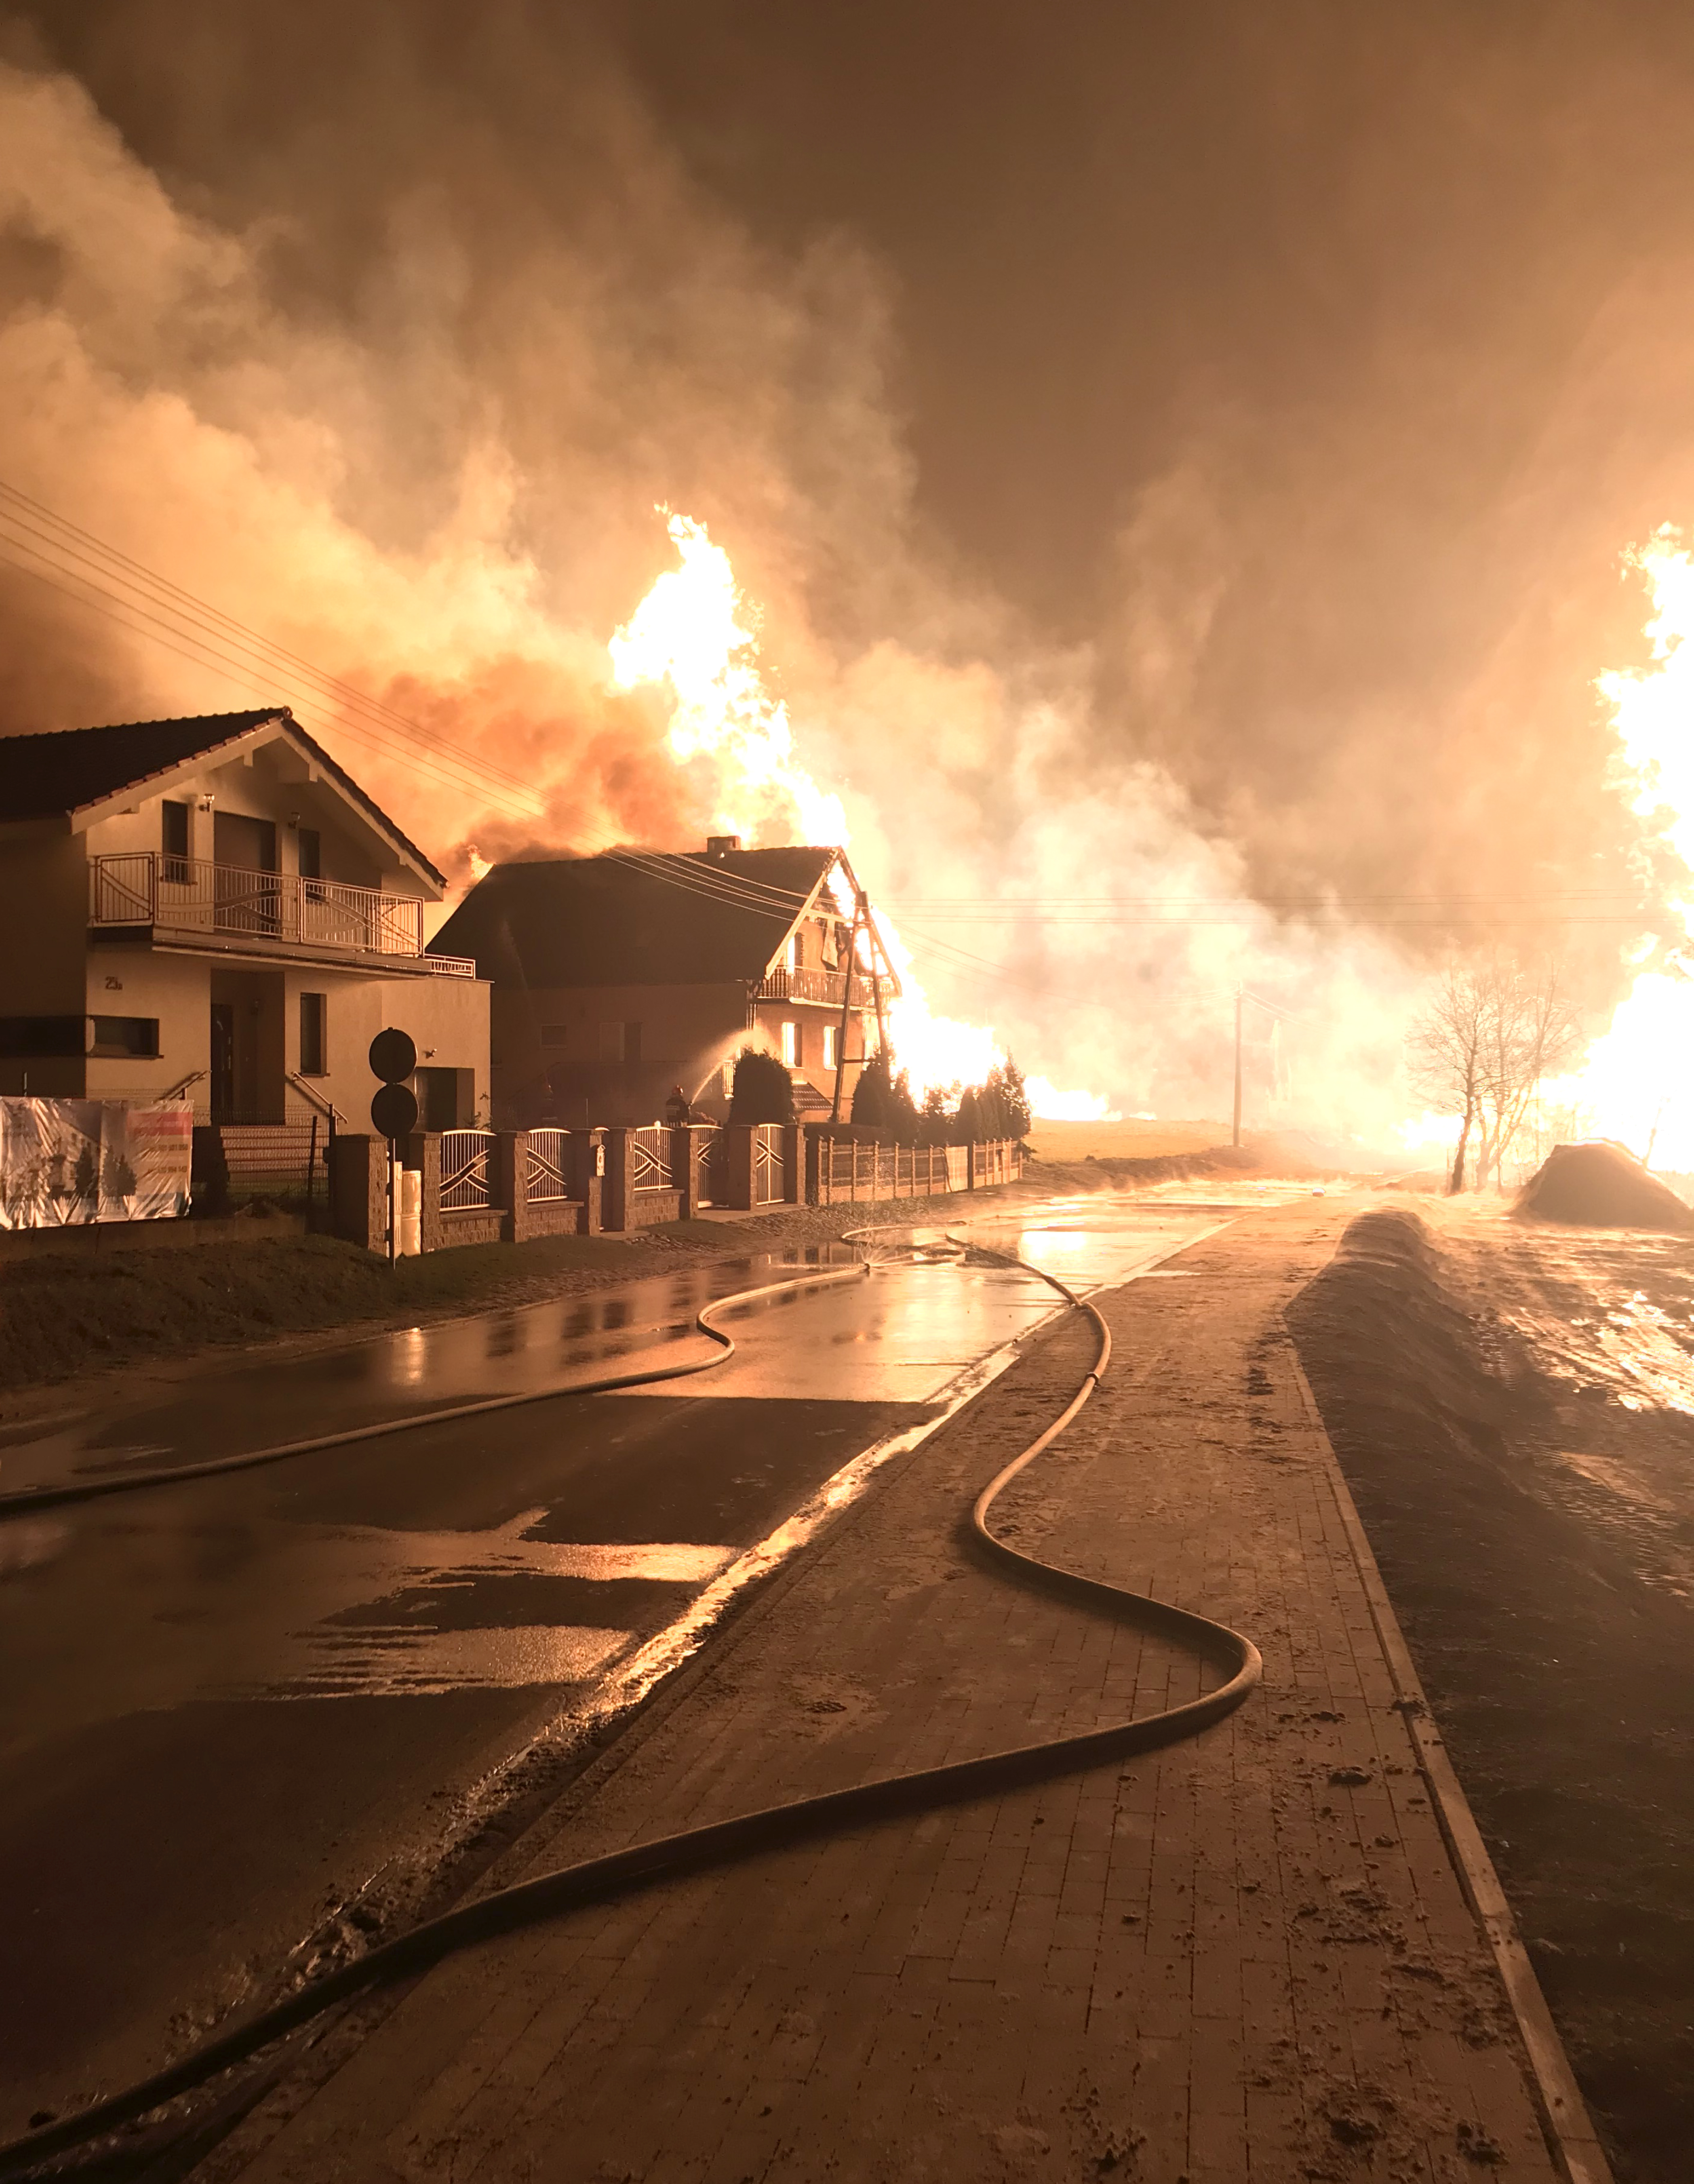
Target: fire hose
[(724, 1843)]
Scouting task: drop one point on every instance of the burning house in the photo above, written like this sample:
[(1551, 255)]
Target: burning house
[(616, 976)]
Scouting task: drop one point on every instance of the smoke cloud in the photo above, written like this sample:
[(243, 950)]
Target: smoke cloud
[(1278, 564)]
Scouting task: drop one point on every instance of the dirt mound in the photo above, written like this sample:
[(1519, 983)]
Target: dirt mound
[(1601, 1186)]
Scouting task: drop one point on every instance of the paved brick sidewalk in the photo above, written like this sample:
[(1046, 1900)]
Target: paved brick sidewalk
[(1245, 1957)]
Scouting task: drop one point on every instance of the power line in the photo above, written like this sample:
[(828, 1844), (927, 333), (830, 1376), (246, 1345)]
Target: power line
[(450, 773), (209, 625)]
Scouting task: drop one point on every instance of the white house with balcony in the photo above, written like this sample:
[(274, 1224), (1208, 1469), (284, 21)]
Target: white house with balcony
[(212, 908)]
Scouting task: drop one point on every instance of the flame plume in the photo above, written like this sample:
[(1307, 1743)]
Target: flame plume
[(696, 631), (1637, 1082)]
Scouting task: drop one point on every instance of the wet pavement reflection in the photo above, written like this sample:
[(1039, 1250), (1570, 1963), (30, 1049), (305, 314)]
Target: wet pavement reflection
[(229, 1701)]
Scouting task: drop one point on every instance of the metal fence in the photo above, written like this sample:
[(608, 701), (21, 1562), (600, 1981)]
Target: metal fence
[(851, 1170), (259, 1158), (649, 1156), (465, 1170), (545, 1176)]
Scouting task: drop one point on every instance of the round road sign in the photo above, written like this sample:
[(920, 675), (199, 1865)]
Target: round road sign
[(394, 1111), (394, 1057)]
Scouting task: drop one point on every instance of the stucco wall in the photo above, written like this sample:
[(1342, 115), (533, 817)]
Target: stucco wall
[(686, 1031), (142, 982), (448, 1015), (274, 787)]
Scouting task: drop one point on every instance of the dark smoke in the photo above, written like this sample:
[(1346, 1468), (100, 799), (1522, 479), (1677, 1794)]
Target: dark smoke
[(1182, 453)]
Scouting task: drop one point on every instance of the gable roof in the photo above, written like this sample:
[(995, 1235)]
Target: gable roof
[(635, 917), (67, 771)]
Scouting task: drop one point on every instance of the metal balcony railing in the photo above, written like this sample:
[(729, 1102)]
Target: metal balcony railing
[(828, 987), (185, 896)]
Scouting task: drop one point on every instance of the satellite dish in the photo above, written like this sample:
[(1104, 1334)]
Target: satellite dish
[(394, 1057)]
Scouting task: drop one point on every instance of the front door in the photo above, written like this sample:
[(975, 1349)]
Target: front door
[(223, 1058)]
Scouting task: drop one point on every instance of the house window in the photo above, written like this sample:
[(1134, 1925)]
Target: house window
[(174, 840), (133, 1038), (829, 1031), (42, 1038), (314, 1035), (554, 1035), (447, 1098), (310, 853), (729, 1079), (791, 952), (792, 1046)]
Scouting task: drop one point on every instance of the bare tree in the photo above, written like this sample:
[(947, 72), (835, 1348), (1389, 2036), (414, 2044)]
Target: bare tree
[(1534, 1031), (1444, 1054), (1491, 1031)]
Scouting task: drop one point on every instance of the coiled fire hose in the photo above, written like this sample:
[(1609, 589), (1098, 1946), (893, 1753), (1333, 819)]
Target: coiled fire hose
[(696, 1850)]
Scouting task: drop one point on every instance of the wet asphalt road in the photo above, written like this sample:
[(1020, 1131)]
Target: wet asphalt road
[(228, 1707)]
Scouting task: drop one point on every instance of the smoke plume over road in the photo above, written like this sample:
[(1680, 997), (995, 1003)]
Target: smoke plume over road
[(1185, 565)]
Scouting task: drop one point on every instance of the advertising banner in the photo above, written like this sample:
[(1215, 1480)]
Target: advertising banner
[(66, 1162)]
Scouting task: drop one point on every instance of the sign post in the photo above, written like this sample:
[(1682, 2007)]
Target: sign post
[(394, 1110)]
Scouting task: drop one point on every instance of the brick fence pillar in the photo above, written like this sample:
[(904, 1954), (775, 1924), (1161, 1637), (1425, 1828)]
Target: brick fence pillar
[(684, 1175), (618, 1185), (358, 1189), (813, 1166), (509, 1174), (585, 1164), (737, 1142)]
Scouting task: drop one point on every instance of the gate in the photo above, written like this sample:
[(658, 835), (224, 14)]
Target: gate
[(465, 1170), (770, 1164), (709, 1176)]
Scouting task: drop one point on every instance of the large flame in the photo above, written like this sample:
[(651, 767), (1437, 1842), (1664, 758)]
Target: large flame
[(1637, 1082), (696, 631)]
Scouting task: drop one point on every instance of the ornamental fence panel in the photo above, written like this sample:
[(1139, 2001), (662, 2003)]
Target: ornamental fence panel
[(544, 1174), (465, 1170), (770, 1164), (650, 1154), (710, 1178)]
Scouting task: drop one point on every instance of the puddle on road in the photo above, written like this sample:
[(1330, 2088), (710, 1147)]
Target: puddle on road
[(402, 1663), (232, 1409), (206, 1599), (199, 1609), (436, 1649)]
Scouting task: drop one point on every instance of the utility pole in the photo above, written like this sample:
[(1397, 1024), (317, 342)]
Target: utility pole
[(875, 939), (846, 1007), (1236, 1138)]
